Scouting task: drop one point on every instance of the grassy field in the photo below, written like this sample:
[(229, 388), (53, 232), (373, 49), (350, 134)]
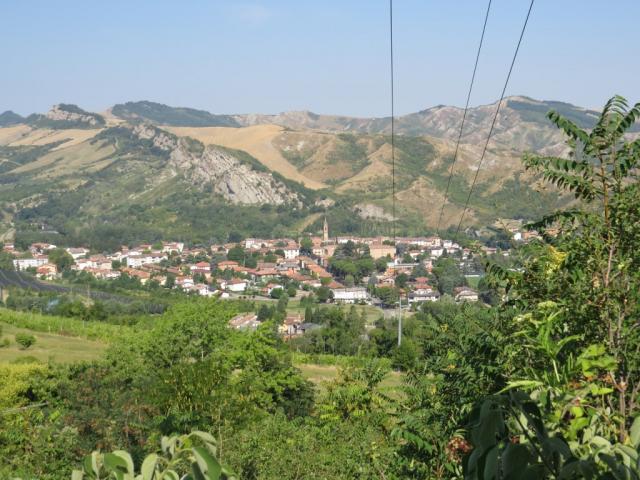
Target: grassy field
[(371, 313), (473, 281), (326, 373), (57, 348)]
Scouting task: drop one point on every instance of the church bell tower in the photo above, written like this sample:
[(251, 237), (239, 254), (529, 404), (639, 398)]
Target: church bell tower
[(325, 230)]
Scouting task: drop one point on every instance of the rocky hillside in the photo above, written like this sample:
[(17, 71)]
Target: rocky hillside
[(64, 116), (235, 181), (135, 182), (142, 171), (522, 124)]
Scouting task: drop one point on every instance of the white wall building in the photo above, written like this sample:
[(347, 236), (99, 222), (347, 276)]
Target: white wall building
[(291, 252), (350, 295), (35, 262), (77, 253), (137, 260)]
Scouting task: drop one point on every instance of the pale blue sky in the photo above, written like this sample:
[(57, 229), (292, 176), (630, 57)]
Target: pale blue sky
[(328, 56)]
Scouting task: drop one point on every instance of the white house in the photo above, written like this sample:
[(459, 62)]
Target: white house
[(423, 294), (203, 289), (185, 283), (350, 295), (137, 260), (234, 285), (41, 247), (291, 251), (77, 253), (35, 262), (245, 321), (465, 294), (255, 243), (168, 247)]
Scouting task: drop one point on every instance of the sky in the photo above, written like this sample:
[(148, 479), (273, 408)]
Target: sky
[(327, 56)]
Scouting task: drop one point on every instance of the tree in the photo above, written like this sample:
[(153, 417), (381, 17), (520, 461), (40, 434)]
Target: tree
[(251, 262), (572, 352), (324, 294), (405, 355), (25, 340), (236, 254), (381, 264), (283, 301), (401, 280), (265, 312), (234, 236), (419, 271), (61, 259), (389, 296), (355, 393), (306, 246), (170, 280), (271, 258), (6, 261), (595, 257), (448, 275), (276, 292)]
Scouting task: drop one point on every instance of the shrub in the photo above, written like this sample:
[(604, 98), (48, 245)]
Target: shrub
[(25, 340), (5, 342)]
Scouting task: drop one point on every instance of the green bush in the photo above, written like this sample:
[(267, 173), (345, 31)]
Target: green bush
[(25, 340)]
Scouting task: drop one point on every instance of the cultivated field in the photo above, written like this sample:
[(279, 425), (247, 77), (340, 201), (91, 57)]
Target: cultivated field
[(50, 347)]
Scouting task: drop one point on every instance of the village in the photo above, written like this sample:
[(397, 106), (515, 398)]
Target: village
[(271, 268)]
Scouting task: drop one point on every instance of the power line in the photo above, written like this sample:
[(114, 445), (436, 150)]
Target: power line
[(393, 161), (393, 146), (464, 116), (495, 116)]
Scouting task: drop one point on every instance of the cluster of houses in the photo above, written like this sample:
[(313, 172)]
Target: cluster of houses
[(209, 272)]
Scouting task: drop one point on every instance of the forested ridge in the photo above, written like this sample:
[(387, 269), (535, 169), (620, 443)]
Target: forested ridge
[(543, 385)]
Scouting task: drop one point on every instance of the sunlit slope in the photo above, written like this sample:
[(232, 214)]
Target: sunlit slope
[(257, 141)]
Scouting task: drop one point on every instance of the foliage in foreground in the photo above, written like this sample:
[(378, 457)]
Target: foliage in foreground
[(573, 347), (184, 457)]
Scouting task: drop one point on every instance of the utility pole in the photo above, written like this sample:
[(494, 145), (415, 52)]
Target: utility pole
[(400, 321)]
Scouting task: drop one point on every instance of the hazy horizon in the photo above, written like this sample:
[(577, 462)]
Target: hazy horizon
[(331, 58), (285, 111)]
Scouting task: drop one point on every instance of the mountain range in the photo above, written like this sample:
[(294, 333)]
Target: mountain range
[(144, 171)]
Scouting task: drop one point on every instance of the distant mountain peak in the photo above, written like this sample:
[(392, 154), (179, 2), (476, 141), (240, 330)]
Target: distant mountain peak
[(161, 114), (67, 112), (65, 116), (10, 118)]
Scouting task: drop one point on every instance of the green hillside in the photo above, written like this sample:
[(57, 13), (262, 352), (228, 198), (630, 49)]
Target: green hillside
[(9, 118), (160, 114), (133, 181)]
